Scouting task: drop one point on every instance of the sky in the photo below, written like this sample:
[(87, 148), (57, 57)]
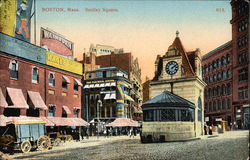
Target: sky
[(145, 28)]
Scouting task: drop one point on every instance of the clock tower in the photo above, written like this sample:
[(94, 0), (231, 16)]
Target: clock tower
[(179, 71)]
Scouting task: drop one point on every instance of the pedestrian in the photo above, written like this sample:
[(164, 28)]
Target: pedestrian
[(205, 129), (134, 131), (107, 132), (210, 130)]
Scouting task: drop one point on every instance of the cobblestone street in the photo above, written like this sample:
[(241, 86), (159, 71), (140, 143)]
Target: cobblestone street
[(228, 146)]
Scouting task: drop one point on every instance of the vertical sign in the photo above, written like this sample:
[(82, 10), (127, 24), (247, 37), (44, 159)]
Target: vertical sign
[(23, 18), (7, 16)]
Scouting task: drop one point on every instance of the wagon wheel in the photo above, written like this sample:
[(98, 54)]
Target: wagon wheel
[(25, 146), (43, 143), (69, 138), (7, 141), (57, 142)]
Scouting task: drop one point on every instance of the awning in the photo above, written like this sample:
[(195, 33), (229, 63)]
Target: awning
[(24, 120), (48, 122), (97, 86), (86, 86), (107, 96), (17, 98), (127, 97), (102, 85), (112, 84), (3, 102), (91, 86), (59, 121), (78, 82), (113, 96), (66, 79), (37, 100), (107, 84), (3, 120), (123, 122), (76, 108), (67, 110)]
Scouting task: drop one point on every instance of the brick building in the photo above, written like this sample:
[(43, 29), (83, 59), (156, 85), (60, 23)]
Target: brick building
[(232, 91), (217, 73), (31, 85)]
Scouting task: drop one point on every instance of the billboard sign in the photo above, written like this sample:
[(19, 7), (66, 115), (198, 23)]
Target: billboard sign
[(60, 62), (56, 42), (23, 19), (7, 17)]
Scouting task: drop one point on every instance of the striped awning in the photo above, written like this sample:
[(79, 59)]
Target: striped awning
[(113, 96), (78, 82), (86, 86), (107, 84), (3, 102), (66, 109), (66, 79), (107, 96), (17, 98), (37, 100)]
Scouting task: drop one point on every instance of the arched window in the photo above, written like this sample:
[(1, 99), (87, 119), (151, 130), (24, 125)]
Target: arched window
[(224, 74), (218, 90), (215, 78), (223, 90), (229, 73), (13, 66), (35, 75), (51, 79)]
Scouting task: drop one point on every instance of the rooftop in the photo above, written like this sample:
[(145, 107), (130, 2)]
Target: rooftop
[(217, 49)]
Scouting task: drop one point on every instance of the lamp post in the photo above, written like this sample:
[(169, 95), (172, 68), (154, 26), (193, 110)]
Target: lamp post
[(99, 105)]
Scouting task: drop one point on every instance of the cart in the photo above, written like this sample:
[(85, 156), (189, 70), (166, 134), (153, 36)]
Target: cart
[(24, 136)]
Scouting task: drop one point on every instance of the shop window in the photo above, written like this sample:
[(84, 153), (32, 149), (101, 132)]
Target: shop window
[(33, 112), (51, 79), (11, 112), (35, 75), (51, 111), (13, 66), (243, 74)]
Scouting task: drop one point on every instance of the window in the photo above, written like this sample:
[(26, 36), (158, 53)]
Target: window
[(99, 75), (242, 58), (64, 113), (229, 73), (77, 111), (76, 88), (228, 104), (215, 78), (223, 90), (206, 108), (35, 76), (210, 106), (51, 112), (13, 66), (228, 89), (51, 79), (243, 74), (218, 90), (199, 109), (228, 59), (214, 106), (218, 76), (214, 64), (168, 115), (243, 92), (219, 104), (64, 82), (223, 104), (210, 67), (224, 74), (218, 63)]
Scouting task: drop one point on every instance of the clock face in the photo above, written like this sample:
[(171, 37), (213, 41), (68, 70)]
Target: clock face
[(172, 67)]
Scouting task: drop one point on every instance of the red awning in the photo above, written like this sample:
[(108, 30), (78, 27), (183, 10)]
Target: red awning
[(3, 102), (66, 79), (67, 110), (3, 120), (17, 98), (59, 121), (37, 100), (123, 122), (48, 122), (20, 120)]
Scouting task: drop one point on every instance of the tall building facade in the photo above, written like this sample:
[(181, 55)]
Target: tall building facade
[(179, 71), (225, 69), (240, 47), (217, 73)]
